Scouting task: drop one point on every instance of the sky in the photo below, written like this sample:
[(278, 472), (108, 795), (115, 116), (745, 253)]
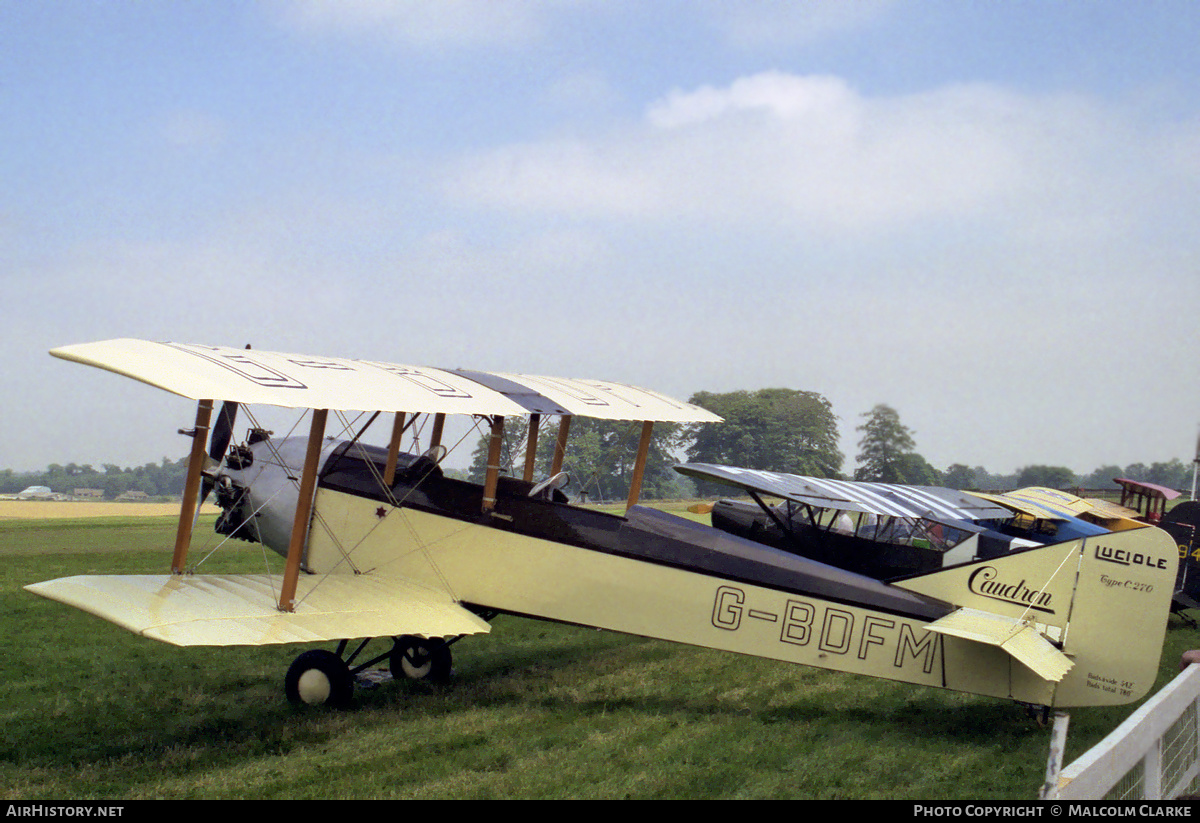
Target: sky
[(985, 215)]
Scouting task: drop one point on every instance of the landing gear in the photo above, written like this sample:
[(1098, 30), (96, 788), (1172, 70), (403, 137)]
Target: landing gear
[(319, 678), (324, 678), (420, 659)]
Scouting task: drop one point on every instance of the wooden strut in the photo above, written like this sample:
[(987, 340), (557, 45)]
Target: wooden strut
[(439, 424), (639, 466), (560, 445), (531, 447), (492, 478), (389, 472), (304, 506), (191, 488)]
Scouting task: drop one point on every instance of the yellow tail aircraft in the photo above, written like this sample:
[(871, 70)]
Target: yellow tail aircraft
[(381, 544)]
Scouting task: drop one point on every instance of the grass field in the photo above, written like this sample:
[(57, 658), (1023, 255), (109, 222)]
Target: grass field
[(535, 710), (73, 509)]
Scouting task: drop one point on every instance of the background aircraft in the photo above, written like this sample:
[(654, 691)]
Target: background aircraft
[(878, 529), (888, 531)]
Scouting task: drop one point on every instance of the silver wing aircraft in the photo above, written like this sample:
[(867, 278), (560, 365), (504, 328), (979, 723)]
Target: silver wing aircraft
[(882, 530), (384, 544)]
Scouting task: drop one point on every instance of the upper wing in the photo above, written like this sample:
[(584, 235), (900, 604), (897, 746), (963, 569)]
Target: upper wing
[(883, 499), (290, 380), (1052, 500), (1100, 512), (240, 610), (597, 398), (303, 381), (1146, 489)]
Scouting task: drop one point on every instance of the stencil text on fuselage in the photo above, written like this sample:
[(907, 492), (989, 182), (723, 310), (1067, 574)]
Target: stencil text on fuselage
[(829, 629)]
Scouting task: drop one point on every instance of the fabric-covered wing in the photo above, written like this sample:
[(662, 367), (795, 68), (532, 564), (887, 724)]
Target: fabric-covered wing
[(290, 380), (609, 401), (1052, 500), (1025, 507), (883, 499), (304, 381), (240, 610), (1147, 489)]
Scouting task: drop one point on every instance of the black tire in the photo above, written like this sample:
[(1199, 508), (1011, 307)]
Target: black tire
[(319, 678), (420, 659)]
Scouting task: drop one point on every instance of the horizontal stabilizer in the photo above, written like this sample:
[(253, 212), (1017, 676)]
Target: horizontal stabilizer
[(1021, 640), (242, 610)]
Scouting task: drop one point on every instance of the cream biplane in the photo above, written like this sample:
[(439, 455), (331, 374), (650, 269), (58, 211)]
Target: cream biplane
[(383, 544)]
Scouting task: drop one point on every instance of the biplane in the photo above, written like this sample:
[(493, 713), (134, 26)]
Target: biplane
[(882, 530), (1048, 514), (381, 543), (1051, 504)]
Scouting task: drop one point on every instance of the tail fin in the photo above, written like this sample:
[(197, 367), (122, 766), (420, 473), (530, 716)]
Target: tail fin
[(1103, 601)]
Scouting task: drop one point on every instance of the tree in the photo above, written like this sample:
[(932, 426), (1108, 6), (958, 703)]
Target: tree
[(959, 476), (1172, 474), (1101, 478), (1051, 477), (918, 472), (886, 451), (783, 430)]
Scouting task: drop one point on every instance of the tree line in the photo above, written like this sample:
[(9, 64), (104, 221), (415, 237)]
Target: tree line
[(165, 478), (783, 430), (775, 429)]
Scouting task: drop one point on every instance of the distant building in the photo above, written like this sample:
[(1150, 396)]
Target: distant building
[(88, 493), (133, 495), (36, 493)]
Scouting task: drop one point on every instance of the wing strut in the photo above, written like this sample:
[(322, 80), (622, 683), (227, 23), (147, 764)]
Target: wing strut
[(560, 445), (639, 466), (308, 485), (535, 420), (191, 489), (389, 472), (439, 423), (492, 479), (770, 512)]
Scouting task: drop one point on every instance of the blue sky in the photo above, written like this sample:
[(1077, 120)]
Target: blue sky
[(983, 214)]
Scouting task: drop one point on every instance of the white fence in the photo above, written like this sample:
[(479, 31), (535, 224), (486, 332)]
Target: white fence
[(1154, 755)]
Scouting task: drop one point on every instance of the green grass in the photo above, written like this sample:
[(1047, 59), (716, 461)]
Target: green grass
[(535, 710)]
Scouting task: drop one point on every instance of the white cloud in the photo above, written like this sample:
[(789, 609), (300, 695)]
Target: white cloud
[(566, 175), (807, 151), (784, 97)]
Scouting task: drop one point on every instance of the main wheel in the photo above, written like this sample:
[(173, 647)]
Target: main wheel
[(319, 678), (419, 659)]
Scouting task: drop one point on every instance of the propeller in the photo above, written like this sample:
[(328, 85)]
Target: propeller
[(218, 444)]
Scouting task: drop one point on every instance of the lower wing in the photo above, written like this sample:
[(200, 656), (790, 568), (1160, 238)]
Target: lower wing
[(241, 610)]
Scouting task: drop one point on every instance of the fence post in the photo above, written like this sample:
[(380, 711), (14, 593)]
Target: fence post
[(1058, 747)]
